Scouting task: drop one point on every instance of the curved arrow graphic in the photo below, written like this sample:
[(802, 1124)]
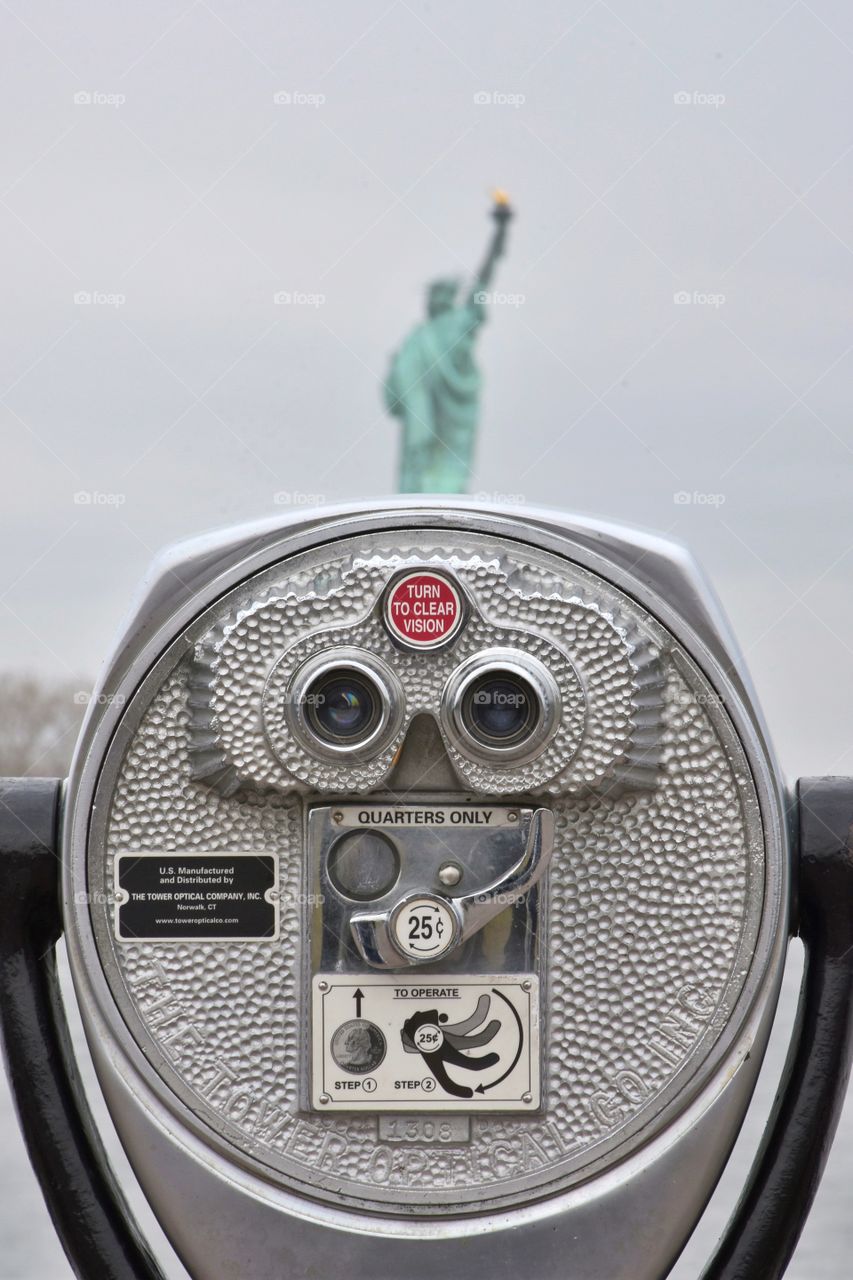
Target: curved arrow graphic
[(482, 1088)]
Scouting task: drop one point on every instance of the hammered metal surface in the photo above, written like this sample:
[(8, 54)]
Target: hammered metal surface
[(240, 662), (423, 677), (654, 892)]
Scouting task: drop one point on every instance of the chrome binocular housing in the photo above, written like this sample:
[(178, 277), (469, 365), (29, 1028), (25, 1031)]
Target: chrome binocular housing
[(426, 890)]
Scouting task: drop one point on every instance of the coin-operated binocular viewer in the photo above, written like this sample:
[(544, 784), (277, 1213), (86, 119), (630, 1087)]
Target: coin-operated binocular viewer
[(426, 880)]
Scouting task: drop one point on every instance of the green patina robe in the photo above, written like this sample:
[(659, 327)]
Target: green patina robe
[(433, 386)]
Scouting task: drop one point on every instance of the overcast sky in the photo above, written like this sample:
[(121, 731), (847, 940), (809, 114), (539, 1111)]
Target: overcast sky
[(652, 149), (182, 197)]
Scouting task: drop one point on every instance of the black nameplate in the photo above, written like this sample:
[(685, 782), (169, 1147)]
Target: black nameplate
[(195, 897)]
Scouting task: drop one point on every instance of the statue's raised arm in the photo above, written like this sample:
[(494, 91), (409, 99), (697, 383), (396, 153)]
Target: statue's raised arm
[(501, 212)]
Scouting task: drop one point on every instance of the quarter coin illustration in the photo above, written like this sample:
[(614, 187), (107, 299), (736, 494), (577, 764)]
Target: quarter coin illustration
[(358, 1046)]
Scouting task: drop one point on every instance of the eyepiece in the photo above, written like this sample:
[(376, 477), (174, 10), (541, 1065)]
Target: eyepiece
[(344, 703), (500, 708), (342, 706), (501, 705)]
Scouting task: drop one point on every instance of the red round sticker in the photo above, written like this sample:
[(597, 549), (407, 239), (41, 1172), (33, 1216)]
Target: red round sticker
[(423, 610)]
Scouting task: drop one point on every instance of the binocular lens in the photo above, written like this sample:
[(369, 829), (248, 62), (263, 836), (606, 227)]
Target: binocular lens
[(501, 705), (342, 706), (500, 709)]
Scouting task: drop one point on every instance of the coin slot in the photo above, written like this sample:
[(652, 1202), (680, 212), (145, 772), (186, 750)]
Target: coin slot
[(363, 865)]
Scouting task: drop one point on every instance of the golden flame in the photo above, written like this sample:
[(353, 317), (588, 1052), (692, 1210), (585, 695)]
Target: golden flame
[(500, 196)]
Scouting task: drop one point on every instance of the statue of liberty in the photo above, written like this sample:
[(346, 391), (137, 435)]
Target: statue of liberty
[(433, 384)]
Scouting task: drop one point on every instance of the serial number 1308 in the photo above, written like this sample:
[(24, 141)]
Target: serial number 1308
[(436, 1129)]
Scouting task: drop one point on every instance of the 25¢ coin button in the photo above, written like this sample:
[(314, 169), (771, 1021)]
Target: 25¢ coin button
[(424, 928)]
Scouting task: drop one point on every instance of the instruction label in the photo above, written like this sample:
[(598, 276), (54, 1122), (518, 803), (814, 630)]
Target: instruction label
[(382, 1042)]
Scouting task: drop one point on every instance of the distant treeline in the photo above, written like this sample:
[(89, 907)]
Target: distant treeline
[(39, 720)]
